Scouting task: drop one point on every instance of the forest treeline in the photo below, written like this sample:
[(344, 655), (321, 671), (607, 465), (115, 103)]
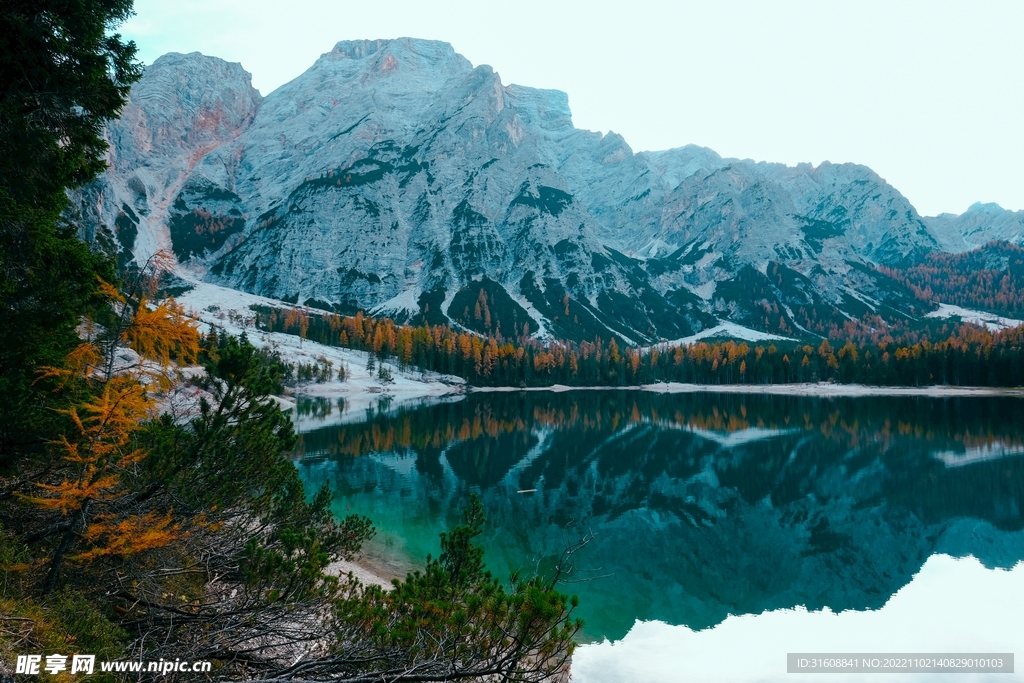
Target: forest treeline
[(990, 278), (941, 353)]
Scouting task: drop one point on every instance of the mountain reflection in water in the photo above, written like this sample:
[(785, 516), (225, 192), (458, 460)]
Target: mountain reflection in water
[(703, 505)]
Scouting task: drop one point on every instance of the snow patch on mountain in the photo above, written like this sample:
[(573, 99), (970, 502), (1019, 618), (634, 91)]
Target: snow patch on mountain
[(404, 304), (540, 331), (231, 311), (989, 320), (727, 330)]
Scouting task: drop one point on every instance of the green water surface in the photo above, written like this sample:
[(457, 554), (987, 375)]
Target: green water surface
[(700, 505)]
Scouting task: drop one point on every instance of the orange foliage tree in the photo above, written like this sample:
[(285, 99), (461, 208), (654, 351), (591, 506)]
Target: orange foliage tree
[(122, 373)]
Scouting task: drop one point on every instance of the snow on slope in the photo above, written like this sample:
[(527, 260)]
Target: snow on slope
[(727, 330), (404, 303), (990, 320), (229, 309)]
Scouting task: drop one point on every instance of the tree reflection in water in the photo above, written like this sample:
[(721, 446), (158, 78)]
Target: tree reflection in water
[(704, 505)]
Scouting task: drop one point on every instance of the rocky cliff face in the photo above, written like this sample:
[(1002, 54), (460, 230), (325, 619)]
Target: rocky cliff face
[(394, 176), (185, 107), (979, 225)]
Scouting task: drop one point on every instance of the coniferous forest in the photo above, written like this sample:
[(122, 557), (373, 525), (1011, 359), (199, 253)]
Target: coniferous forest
[(990, 278), (939, 352)]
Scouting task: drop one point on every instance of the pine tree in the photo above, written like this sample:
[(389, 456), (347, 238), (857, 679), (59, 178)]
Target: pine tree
[(63, 77)]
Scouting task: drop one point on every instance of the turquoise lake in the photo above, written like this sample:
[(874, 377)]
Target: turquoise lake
[(707, 511)]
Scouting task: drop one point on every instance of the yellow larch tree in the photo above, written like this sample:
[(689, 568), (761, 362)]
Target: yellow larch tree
[(92, 499)]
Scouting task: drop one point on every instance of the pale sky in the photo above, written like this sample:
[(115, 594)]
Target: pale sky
[(929, 94)]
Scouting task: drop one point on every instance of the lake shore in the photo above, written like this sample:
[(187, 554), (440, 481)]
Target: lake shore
[(231, 310), (820, 389), (372, 568), (364, 570)]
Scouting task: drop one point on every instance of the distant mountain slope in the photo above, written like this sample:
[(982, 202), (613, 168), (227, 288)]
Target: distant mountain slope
[(394, 176), (990, 278), (979, 225)]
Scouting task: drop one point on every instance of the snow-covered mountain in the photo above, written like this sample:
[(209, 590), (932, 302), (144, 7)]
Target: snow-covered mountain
[(393, 176)]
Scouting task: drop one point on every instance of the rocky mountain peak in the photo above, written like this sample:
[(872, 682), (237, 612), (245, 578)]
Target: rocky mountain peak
[(185, 107), (418, 49), (407, 59), (988, 208), (188, 102), (394, 176)]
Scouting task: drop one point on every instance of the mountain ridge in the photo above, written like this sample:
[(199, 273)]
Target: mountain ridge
[(396, 176)]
